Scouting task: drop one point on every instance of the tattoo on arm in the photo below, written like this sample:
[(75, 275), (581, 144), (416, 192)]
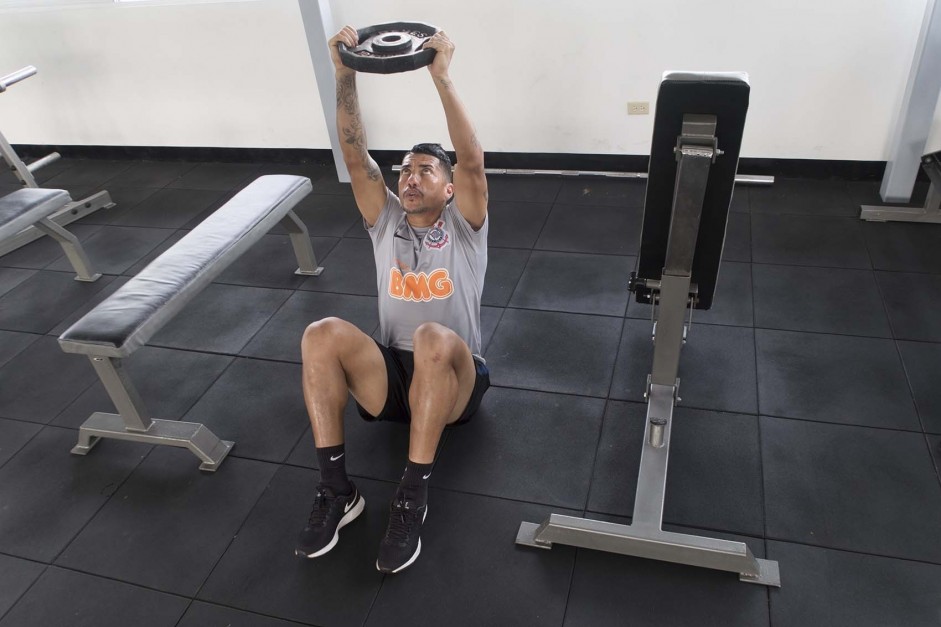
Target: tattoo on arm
[(353, 133)]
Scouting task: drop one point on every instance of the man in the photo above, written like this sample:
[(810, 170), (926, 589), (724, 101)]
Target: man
[(430, 245)]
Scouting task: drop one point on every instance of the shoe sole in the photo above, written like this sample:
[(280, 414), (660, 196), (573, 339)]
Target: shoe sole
[(347, 519), (412, 559)]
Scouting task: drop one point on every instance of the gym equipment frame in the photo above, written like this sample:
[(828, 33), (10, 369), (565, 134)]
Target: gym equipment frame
[(685, 217), (71, 212), (930, 213)]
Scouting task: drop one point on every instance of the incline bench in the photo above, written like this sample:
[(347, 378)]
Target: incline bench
[(127, 319), (694, 155), (32, 207)]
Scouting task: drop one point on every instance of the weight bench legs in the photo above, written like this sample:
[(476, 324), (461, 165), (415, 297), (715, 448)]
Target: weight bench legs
[(72, 247), (300, 240), (131, 423)]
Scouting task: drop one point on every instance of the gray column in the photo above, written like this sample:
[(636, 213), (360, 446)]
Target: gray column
[(318, 23), (914, 121)]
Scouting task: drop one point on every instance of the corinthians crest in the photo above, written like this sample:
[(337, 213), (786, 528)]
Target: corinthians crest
[(437, 237)]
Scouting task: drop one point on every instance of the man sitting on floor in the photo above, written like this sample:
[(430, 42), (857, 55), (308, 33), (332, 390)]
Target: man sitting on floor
[(430, 246)]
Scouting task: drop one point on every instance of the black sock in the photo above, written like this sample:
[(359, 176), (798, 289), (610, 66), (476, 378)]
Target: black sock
[(333, 469), (415, 482)]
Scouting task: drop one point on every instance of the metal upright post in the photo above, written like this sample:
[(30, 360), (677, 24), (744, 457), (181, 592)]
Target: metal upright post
[(318, 23), (918, 106)]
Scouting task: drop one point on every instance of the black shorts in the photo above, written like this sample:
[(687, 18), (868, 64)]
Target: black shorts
[(400, 365)]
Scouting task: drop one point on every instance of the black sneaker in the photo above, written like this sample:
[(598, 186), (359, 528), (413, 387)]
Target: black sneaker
[(402, 543), (328, 515)]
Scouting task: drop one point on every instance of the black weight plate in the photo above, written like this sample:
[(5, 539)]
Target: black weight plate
[(390, 48)]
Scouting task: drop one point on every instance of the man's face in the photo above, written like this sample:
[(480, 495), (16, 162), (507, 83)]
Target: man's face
[(423, 187)]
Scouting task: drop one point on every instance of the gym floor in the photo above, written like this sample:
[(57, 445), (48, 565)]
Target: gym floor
[(810, 425)]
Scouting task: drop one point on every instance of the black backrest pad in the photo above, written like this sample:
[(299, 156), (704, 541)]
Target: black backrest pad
[(129, 317), (726, 97)]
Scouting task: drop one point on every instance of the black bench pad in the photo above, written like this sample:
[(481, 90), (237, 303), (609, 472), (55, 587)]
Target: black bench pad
[(127, 319), (27, 206), (724, 95)]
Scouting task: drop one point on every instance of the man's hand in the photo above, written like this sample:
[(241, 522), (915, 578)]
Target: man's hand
[(445, 50), (348, 37)]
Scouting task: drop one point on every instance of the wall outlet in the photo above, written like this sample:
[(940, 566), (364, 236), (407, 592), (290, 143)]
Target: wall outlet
[(638, 108)]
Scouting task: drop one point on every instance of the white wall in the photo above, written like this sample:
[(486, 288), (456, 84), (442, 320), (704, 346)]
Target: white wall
[(537, 76)]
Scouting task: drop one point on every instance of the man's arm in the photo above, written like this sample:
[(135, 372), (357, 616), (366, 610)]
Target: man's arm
[(470, 182), (369, 189)]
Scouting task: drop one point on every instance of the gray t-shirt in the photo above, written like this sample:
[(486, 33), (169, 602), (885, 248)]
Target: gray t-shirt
[(431, 276)]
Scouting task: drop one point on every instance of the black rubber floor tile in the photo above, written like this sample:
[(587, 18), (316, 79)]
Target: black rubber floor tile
[(516, 224), (834, 242), (51, 169), (934, 443), (12, 344), (853, 488), (114, 249), (84, 173), (516, 188), (910, 300), (349, 269), (11, 277), (169, 524), (63, 597), (169, 382), (846, 380), (489, 319), (49, 494), (124, 200), (844, 301), (281, 337), (13, 436), (469, 539), (163, 247), (616, 193), (224, 198), (169, 208), (611, 230), (611, 589), (42, 381), (803, 196), (732, 303), (504, 268), (222, 319), (717, 367), (554, 352), (737, 245), (257, 404), (16, 576), (109, 289), (327, 215), (150, 174), (375, 450), (867, 193), (574, 283), (217, 176), (329, 184), (40, 302), (202, 614), (714, 476), (523, 446), (260, 572), (271, 262), (904, 247), (41, 252), (922, 365), (838, 589)]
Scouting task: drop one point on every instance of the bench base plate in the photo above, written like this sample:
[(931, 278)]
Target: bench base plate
[(190, 435)]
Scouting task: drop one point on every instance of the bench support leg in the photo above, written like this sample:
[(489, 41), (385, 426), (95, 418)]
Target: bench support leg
[(306, 260), (132, 423), (72, 247)]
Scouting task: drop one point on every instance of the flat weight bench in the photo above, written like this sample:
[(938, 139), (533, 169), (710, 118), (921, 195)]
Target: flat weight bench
[(31, 207), (127, 319), (696, 143)]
